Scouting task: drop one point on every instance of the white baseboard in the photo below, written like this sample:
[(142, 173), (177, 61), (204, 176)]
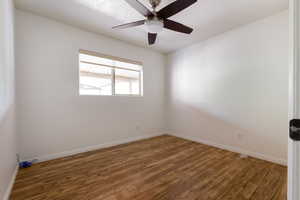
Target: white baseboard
[(235, 149), (11, 184), (91, 148)]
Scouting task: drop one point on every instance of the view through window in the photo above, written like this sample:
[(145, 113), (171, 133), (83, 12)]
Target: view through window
[(109, 75)]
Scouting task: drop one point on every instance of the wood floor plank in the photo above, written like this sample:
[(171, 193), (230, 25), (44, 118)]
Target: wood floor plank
[(160, 168)]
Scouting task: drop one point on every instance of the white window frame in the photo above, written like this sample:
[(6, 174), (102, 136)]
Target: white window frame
[(113, 68)]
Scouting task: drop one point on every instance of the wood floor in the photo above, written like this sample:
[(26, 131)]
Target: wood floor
[(161, 168)]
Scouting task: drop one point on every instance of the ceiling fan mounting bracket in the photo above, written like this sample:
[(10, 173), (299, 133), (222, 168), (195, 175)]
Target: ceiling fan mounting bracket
[(154, 3)]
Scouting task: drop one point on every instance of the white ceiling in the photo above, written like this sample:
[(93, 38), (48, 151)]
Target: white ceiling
[(207, 17)]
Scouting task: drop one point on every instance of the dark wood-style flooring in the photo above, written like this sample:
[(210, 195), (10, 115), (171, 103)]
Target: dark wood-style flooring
[(160, 168)]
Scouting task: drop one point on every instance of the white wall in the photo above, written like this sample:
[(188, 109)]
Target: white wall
[(52, 117), (232, 90), (8, 147)]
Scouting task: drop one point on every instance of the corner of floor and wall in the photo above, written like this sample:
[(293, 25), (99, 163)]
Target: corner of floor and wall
[(8, 139), (230, 91)]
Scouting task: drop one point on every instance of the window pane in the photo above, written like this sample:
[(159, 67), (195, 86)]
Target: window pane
[(128, 65), (95, 80), (108, 75), (94, 59), (127, 82)]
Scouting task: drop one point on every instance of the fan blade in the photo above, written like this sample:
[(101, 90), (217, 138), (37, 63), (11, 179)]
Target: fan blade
[(175, 26), (174, 8), (129, 25), (140, 7), (151, 38)]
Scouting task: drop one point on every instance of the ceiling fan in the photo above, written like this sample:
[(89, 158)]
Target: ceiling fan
[(157, 20)]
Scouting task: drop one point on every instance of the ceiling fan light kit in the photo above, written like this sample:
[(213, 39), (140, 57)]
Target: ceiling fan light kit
[(156, 21), (154, 25)]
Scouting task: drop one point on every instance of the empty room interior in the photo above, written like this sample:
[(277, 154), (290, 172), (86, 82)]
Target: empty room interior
[(144, 99)]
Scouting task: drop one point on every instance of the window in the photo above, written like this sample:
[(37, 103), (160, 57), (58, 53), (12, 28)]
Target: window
[(109, 75)]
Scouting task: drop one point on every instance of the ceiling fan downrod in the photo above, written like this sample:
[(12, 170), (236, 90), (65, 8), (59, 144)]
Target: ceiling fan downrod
[(154, 3)]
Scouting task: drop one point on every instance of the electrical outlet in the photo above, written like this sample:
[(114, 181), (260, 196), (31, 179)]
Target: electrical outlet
[(18, 158), (240, 136), (138, 128)]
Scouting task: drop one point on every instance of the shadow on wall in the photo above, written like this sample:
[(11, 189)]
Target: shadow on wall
[(193, 123)]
